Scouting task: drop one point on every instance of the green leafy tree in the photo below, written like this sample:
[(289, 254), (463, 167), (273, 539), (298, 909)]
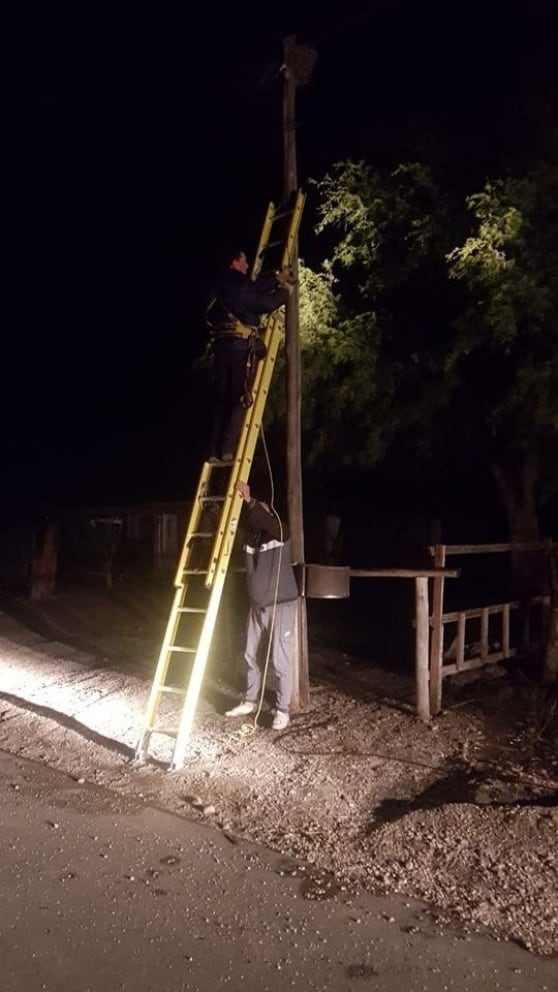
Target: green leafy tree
[(373, 355), (505, 350), (433, 324)]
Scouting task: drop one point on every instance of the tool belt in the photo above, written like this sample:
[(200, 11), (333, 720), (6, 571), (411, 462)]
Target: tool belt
[(234, 329)]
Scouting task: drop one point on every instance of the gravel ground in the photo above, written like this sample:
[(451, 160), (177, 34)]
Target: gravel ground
[(356, 793)]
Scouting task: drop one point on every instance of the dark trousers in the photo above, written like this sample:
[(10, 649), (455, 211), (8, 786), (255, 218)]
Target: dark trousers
[(230, 356)]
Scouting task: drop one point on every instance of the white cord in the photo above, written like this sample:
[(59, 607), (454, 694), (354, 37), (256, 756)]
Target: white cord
[(279, 560)]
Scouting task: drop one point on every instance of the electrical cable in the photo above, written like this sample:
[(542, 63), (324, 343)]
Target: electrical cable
[(276, 591)]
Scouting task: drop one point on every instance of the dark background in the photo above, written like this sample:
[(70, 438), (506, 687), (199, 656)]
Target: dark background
[(137, 138)]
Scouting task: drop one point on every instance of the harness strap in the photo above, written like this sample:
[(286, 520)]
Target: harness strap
[(235, 329), (247, 398)]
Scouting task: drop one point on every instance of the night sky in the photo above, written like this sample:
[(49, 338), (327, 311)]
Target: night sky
[(138, 138)]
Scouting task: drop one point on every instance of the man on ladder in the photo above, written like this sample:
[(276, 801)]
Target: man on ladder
[(233, 316)]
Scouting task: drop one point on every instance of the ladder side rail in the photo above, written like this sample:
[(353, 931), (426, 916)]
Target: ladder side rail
[(197, 672), (272, 217), (227, 530), (254, 415), (161, 671), (173, 621), (272, 337), (234, 506), (264, 241), (243, 464), (229, 518), (193, 523), (224, 525), (288, 240)]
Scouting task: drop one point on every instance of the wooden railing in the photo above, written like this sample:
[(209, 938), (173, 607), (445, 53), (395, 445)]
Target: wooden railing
[(487, 651), (422, 620)]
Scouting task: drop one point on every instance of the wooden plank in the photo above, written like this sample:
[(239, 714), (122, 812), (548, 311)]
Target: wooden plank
[(460, 643), (471, 663), (493, 608), (403, 573), (484, 636), (477, 613), (483, 549), (550, 664), (506, 630), (437, 640), (421, 647)]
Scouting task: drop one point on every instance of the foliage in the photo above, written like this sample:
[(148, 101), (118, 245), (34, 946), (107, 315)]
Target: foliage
[(502, 261), (510, 266), (506, 341), (429, 327), (372, 215), (433, 320), (364, 373)]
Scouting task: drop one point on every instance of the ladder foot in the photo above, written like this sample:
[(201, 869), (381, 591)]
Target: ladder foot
[(140, 757), (176, 766)]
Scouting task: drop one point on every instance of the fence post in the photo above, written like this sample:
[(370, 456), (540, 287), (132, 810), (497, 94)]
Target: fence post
[(421, 647), (550, 662), (43, 564), (437, 643)]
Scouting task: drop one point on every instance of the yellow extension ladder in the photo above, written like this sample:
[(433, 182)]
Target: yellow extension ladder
[(212, 527)]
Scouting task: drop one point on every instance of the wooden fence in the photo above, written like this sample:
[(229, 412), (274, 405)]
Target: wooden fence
[(486, 650), (422, 620), (432, 663)]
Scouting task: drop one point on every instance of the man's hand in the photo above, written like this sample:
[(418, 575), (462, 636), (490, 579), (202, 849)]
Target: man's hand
[(286, 277), (244, 489)]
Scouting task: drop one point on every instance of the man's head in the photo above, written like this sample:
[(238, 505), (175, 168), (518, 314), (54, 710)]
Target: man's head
[(239, 262)]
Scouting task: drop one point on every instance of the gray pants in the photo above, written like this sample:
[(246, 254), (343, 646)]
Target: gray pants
[(261, 625)]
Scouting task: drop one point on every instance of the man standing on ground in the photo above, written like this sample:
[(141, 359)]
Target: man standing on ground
[(273, 594)]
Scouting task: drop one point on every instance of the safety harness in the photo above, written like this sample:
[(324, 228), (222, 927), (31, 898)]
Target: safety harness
[(232, 327)]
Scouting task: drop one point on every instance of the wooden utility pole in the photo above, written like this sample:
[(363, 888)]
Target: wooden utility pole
[(298, 63)]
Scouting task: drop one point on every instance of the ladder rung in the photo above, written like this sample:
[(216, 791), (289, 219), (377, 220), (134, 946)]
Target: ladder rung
[(286, 212), (165, 733), (173, 689), (194, 571), (212, 499), (178, 650), (191, 609), (202, 533)]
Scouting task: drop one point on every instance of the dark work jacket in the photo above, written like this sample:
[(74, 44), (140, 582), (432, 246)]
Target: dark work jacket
[(237, 297), (268, 555)]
